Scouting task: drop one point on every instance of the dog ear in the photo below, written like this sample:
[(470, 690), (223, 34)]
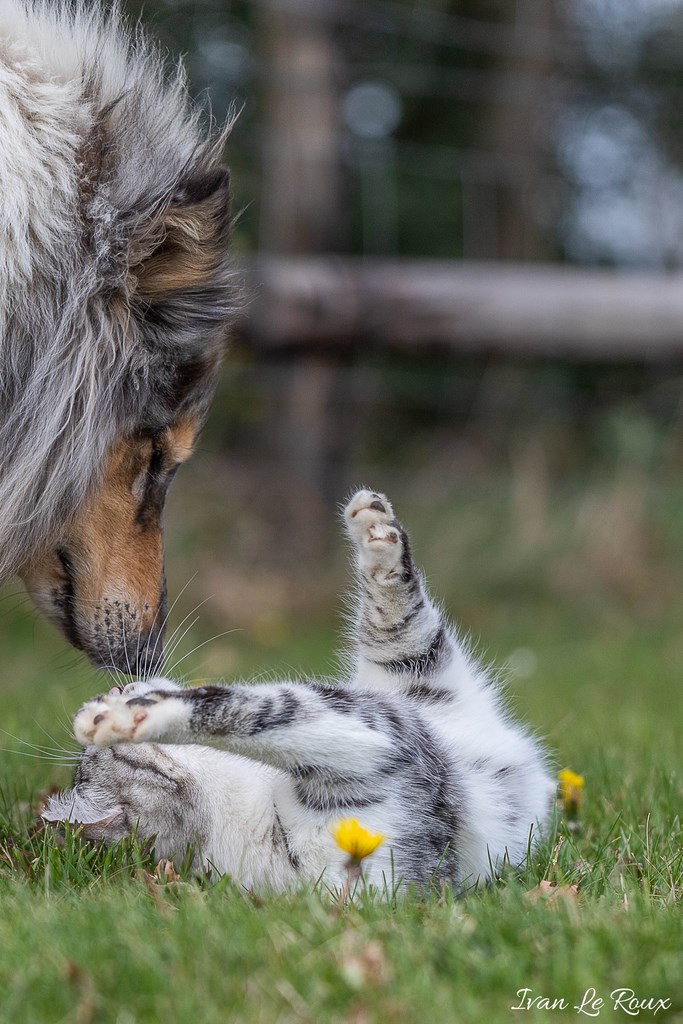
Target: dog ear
[(182, 246)]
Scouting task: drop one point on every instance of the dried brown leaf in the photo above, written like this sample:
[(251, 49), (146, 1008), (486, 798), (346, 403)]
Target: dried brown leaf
[(165, 871), (363, 963), (554, 894), (151, 883)]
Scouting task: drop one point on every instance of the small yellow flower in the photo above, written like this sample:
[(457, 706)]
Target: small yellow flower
[(352, 838), (571, 790)]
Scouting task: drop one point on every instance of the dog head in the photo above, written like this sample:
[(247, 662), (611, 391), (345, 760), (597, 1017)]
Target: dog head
[(116, 295), (100, 578)]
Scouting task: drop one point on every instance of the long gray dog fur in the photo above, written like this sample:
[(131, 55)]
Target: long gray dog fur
[(100, 337)]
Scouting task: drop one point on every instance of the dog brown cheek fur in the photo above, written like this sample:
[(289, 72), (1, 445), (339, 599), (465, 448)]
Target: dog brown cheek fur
[(105, 585)]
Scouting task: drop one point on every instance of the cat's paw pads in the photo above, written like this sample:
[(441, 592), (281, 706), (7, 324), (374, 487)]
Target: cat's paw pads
[(373, 527), (366, 508), (114, 718)]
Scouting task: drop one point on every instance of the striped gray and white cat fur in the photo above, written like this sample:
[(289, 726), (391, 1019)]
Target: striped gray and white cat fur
[(415, 744)]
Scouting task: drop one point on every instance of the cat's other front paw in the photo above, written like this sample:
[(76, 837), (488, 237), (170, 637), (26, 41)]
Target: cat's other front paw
[(141, 687), (114, 718), (375, 531)]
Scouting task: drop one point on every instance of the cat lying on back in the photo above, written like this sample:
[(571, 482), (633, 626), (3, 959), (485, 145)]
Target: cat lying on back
[(415, 744)]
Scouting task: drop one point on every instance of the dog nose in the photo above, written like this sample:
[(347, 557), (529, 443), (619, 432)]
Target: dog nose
[(142, 656)]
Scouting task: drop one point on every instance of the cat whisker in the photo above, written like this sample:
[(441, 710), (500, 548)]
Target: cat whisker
[(62, 755), (174, 639), (163, 625), (211, 640)]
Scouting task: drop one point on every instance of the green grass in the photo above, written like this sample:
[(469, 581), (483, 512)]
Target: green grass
[(91, 936)]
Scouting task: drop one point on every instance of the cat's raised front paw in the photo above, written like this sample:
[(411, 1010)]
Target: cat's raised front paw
[(375, 531)]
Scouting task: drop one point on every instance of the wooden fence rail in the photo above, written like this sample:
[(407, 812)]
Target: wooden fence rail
[(520, 310)]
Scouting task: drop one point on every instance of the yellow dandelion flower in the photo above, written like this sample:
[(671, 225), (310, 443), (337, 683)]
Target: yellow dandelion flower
[(571, 790), (352, 838)]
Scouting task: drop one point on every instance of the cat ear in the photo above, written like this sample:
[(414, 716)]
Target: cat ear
[(183, 246)]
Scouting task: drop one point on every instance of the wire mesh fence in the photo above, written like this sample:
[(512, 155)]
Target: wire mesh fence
[(469, 129)]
